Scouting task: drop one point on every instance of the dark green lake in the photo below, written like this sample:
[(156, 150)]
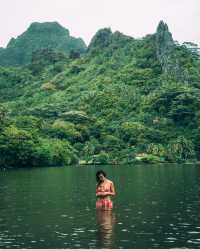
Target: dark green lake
[(54, 208)]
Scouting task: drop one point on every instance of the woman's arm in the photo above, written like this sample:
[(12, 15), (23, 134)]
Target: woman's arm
[(112, 190)]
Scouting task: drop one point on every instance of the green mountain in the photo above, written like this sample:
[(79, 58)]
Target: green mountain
[(123, 100), (39, 36)]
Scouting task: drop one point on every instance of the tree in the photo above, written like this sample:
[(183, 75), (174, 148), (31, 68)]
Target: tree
[(180, 149), (16, 147), (54, 152)]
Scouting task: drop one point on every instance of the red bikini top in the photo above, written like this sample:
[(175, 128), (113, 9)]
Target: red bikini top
[(102, 189)]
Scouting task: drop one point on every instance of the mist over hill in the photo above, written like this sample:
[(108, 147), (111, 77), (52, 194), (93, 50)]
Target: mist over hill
[(120, 100)]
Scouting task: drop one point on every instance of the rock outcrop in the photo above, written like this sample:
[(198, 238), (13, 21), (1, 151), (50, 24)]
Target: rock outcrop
[(166, 52)]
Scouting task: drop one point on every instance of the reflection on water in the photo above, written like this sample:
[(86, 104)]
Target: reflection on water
[(105, 224)]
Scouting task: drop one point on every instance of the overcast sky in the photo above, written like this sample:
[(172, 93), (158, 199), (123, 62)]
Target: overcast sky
[(84, 17)]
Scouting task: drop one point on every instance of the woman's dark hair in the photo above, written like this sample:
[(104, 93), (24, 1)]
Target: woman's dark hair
[(100, 172)]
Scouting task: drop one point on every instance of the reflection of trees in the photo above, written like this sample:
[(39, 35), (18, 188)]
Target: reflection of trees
[(105, 222)]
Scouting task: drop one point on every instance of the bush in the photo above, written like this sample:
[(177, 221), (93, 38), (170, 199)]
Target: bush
[(157, 150), (102, 158), (16, 147), (48, 86), (54, 152), (180, 149), (62, 129), (130, 131), (147, 158)]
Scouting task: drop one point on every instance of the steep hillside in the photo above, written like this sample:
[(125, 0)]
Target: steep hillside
[(38, 36), (125, 100)]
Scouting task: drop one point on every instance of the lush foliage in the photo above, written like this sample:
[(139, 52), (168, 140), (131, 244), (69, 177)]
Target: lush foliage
[(124, 100), (49, 35)]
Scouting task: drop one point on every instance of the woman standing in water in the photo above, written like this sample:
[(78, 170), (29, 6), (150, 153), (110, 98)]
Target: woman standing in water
[(104, 190)]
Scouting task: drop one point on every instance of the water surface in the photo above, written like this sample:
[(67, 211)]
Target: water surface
[(54, 208)]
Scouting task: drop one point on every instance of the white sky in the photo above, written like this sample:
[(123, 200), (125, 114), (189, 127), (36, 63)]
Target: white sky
[(84, 18)]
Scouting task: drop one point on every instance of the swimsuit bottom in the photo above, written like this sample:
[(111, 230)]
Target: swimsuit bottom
[(104, 203)]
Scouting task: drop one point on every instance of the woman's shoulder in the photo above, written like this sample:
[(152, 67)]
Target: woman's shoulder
[(109, 181)]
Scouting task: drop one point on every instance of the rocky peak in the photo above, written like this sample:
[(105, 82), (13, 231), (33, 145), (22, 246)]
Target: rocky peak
[(166, 54), (101, 39), (48, 27), (39, 36), (164, 40)]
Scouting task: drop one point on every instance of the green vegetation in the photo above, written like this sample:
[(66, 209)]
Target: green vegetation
[(48, 35), (123, 100)]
